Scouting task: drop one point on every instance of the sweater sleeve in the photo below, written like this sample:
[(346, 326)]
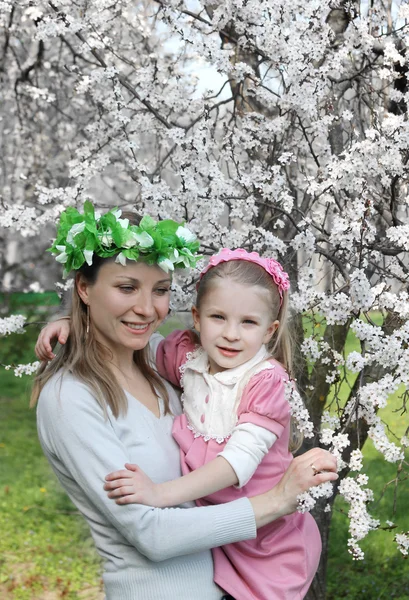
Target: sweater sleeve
[(171, 354), (82, 447)]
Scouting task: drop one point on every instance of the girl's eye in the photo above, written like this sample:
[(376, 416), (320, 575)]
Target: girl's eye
[(216, 317), (250, 322)]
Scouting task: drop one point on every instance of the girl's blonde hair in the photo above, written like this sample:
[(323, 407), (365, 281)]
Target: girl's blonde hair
[(280, 346), (86, 358)]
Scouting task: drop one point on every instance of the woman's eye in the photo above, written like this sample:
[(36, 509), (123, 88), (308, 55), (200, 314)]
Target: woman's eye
[(162, 291), (127, 289)]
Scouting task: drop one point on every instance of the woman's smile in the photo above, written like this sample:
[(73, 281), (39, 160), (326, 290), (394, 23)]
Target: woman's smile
[(137, 328)]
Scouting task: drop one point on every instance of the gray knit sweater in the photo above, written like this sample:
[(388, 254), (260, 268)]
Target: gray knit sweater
[(149, 553)]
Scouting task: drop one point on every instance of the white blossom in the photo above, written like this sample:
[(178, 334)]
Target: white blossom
[(12, 324), (402, 540)]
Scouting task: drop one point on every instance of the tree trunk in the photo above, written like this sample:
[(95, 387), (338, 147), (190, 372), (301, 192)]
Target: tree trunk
[(318, 589)]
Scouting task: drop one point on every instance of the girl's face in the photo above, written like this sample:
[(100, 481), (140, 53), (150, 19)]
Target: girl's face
[(126, 304), (234, 321)]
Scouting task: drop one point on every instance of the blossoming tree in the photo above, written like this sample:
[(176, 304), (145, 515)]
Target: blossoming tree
[(278, 126)]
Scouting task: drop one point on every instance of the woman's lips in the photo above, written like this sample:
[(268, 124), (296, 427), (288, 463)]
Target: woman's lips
[(137, 328)]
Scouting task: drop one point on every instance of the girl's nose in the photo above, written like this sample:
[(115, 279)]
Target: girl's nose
[(231, 332)]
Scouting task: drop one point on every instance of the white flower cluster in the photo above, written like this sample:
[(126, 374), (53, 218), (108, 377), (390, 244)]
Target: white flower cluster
[(336, 309), (390, 451), (19, 218), (307, 500), (399, 235), (355, 362), (399, 303), (314, 350), (362, 296), (331, 420), (27, 369), (304, 241), (298, 411), (402, 540), (355, 461), (361, 522), (311, 349), (13, 324), (308, 293)]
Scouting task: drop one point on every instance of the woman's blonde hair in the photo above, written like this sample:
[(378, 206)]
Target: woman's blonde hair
[(86, 358), (280, 345)]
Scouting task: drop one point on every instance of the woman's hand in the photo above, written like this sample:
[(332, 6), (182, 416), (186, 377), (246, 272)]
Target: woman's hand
[(57, 331), (133, 486), (312, 468)]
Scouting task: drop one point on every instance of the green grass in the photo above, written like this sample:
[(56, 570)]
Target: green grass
[(384, 573), (44, 542), (45, 547)]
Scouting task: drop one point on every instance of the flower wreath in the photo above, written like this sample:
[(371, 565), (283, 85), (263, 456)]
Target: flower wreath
[(166, 243)]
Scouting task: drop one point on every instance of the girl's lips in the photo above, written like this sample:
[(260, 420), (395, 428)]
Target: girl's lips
[(228, 351)]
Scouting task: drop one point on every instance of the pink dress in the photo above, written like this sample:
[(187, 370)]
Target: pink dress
[(282, 561)]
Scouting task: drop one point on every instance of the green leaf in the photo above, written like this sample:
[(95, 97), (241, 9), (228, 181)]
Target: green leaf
[(147, 223)]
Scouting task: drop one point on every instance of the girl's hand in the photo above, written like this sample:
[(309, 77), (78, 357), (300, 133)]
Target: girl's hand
[(57, 331), (132, 486)]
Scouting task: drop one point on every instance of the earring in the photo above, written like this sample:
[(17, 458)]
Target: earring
[(87, 319)]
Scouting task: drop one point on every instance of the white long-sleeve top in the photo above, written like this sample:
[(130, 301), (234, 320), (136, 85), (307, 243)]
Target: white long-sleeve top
[(150, 553)]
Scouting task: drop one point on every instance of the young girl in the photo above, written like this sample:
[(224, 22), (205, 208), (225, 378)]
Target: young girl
[(235, 432)]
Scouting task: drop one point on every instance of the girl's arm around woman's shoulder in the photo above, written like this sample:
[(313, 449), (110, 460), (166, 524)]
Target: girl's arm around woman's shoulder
[(172, 352)]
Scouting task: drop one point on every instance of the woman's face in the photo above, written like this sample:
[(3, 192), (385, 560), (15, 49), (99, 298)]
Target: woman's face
[(126, 304)]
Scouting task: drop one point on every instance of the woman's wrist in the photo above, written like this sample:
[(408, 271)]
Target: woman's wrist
[(270, 506), (308, 470)]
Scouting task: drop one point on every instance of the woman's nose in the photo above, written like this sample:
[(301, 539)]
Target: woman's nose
[(144, 306)]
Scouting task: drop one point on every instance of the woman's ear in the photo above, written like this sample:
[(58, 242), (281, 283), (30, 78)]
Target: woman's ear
[(271, 331), (196, 318), (82, 288)]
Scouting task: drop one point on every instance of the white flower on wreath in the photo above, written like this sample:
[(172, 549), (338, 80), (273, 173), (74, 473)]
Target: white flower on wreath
[(123, 222), (63, 257), (144, 240), (75, 230), (88, 254), (106, 238), (185, 235), (166, 265), (121, 259)]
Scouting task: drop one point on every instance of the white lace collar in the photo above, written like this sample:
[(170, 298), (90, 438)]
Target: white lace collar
[(200, 363)]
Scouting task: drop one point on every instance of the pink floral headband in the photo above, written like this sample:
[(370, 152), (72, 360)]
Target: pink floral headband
[(270, 265)]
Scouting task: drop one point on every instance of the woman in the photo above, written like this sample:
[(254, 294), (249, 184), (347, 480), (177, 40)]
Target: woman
[(101, 405)]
